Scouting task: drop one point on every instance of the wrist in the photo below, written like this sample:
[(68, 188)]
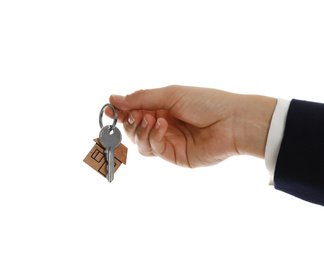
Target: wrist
[(252, 119)]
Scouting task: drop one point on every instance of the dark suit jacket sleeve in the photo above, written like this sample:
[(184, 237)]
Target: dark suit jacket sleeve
[(300, 165)]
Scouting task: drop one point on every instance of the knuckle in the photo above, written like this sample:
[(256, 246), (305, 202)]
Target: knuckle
[(174, 87), (140, 137), (139, 94), (137, 141), (127, 126), (144, 153), (129, 131), (140, 151)]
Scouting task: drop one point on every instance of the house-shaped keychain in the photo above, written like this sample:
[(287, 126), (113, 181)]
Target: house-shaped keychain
[(96, 158)]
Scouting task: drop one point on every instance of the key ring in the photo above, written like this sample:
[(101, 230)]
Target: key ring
[(115, 116)]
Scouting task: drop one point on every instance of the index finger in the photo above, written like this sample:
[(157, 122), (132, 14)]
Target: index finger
[(149, 99), (122, 114)]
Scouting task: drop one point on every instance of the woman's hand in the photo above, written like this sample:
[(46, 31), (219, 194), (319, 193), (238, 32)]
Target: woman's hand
[(194, 127)]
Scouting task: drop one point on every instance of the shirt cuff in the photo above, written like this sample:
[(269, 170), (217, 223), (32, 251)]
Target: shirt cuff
[(275, 135)]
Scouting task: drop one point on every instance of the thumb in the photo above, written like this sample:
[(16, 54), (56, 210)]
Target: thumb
[(149, 99)]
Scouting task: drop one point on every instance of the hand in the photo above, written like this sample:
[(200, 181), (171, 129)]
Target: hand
[(194, 127)]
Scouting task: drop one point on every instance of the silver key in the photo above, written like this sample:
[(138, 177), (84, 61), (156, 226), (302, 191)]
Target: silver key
[(110, 138)]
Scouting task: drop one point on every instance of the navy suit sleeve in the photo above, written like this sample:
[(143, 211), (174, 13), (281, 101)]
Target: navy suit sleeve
[(300, 164)]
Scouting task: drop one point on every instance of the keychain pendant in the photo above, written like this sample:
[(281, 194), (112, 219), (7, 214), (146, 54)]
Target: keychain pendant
[(108, 153)]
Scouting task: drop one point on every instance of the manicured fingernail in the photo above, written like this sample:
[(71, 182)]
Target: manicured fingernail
[(118, 98), (157, 125), (131, 119), (144, 122)]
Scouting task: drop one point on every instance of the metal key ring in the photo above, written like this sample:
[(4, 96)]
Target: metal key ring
[(115, 116)]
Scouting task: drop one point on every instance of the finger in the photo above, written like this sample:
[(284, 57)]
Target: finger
[(169, 150), (121, 115), (131, 122), (151, 99), (142, 135), (158, 142)]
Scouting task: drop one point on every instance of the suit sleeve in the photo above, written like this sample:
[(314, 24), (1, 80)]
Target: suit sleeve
[(299, 168)]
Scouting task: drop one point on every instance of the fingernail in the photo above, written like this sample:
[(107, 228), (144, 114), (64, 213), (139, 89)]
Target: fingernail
[(131, 119), (157, 125), (118, 98), (144, 122)]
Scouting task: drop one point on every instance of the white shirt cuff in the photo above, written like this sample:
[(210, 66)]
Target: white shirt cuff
[(275, 135)]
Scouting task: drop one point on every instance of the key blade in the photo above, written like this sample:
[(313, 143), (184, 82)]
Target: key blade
[(110, 139), (111, 165)]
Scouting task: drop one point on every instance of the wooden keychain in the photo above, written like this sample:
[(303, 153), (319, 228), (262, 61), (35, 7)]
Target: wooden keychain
[(108, 153)]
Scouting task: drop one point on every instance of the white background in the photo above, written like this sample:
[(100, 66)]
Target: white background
[(59, 63)]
